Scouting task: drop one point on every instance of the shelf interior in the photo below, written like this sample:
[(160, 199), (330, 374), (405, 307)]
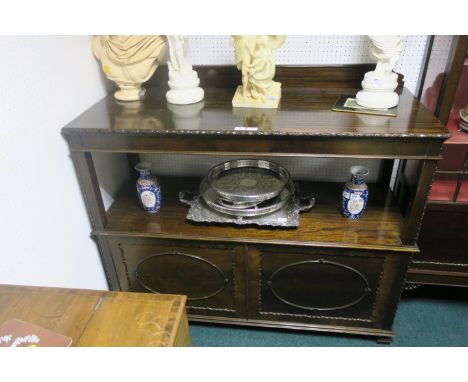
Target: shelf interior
[(379, 226)]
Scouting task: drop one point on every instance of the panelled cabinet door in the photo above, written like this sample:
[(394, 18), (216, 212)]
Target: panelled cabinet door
[(440, 251), (444, 257), (317, 286), (210, 274)]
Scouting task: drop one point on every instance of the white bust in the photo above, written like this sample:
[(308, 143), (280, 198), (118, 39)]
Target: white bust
[(183, 80), (254, 58), (129, 61), (379, 85)]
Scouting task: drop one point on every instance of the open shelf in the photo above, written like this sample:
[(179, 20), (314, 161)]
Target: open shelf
[(378, 228)]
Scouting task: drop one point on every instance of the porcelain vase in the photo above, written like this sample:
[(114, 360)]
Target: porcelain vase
[(355, 193), (149, 191)]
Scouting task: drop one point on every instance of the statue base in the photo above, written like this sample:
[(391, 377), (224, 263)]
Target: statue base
[(272, 101), (378, 91), (377, 100), (184, 88), (185, 97), (129, 93)]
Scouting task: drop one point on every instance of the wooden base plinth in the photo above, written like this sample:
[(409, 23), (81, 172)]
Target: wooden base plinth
[(271, 103)]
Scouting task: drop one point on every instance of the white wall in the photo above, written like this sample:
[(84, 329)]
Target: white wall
[(45, 82)]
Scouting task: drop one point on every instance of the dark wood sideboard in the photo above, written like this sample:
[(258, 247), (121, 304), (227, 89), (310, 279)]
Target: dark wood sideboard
[(330, 274)]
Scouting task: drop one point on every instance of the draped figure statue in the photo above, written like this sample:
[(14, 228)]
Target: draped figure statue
[(183, 80), (254, 59)]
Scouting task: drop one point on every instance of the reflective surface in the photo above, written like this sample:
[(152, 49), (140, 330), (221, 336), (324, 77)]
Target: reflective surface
[(302, 111)]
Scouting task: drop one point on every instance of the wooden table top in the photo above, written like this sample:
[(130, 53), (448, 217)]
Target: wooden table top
[(303, 125), (304, 112), (99, 318)]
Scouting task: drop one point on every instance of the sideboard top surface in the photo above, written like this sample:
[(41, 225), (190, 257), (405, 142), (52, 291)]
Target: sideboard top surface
[(302, 112)]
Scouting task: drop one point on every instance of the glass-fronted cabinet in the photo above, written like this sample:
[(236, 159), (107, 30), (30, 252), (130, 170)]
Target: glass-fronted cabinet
[(443, 238)]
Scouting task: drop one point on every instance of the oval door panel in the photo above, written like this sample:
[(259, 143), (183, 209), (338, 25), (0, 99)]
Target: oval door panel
[(318, 285), (180, 273)]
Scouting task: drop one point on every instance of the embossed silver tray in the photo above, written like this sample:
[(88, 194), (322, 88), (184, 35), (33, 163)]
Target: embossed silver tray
[(247, 180), (245, 209), (287, 216)]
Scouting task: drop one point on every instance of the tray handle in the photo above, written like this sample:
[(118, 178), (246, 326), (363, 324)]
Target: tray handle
[(187, 197), (306, 202)]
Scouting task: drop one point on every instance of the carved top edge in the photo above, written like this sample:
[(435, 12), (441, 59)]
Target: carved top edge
[(346, 134), (308, 95)]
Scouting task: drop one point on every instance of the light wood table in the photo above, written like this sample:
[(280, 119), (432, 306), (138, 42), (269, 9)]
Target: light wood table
[(100, 318)]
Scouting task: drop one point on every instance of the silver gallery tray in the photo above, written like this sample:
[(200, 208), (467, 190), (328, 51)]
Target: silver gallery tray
[(244, 209), (287, 216), (246, 180)]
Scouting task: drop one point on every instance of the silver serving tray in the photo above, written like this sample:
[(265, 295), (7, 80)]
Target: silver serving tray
[(247, 180), (286, 217), (212, 200)]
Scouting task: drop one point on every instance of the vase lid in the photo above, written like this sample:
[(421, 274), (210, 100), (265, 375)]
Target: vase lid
[(143, 166), (360, 171)]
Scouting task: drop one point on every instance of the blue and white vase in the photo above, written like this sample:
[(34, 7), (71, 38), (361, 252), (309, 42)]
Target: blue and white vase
[(355, 193), (149, 191)]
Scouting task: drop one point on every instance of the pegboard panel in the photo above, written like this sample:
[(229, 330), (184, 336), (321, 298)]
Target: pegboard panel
[(314, 50), (316, 169), (437, 64), (411, 60)]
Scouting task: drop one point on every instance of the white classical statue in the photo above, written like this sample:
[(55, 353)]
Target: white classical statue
[(379, 85), (183, 80), (129, 61), (254, 59)]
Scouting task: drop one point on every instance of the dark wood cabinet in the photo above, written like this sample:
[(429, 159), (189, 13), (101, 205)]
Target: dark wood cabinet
[(330, 273), (443, 240)]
